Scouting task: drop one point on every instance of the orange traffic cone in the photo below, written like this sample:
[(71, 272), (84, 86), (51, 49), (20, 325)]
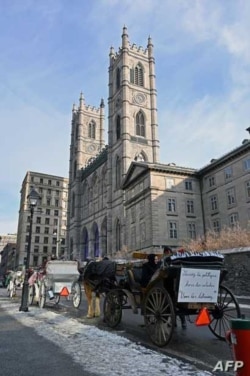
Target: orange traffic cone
[(64, 292), (203, 317)]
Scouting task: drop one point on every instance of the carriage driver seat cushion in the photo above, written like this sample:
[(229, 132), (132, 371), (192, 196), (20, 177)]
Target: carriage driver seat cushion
[(134, 279)]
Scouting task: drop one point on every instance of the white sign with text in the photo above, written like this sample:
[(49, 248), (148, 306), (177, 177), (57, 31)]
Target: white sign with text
[(198, 285)]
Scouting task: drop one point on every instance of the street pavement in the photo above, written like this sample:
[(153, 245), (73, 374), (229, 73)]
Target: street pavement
[(34, 347), (44, 342), (24, 352)]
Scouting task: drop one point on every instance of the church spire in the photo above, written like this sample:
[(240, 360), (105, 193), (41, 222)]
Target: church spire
[(125, 41), (81, 100)]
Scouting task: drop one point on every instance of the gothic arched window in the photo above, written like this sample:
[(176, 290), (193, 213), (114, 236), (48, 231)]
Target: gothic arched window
[(118, 127), (118, 236), (117, 172), (140, 124), (118, 78), (139, 75), (96, 240), (85, 244), (91, 129)]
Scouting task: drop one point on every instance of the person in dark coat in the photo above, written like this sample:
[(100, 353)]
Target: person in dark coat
[(148, 269)]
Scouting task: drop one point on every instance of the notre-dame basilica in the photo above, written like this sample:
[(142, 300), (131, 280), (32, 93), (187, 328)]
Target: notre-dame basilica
[(121, 198)]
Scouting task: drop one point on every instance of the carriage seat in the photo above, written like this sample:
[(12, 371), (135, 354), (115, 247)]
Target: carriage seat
[(134, 278)]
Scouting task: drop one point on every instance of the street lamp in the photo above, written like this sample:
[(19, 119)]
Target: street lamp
[(33, 198)]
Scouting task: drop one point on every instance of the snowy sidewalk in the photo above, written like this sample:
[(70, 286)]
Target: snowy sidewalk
[(88, 348)]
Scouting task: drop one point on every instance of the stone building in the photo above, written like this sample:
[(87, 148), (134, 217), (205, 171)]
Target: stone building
[(49, 219), (120, 196)]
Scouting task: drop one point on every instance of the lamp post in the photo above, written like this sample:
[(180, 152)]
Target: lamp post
[(33, 198)]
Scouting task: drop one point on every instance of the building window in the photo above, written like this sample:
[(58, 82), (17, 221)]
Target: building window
[(40, 190), (48, 201), (27, 228), (38, 219), (91, 129), (56, 212), (213, 203), (118, 78), (37, 230), (47, 221), (36, 249), (56, 202), (57, 193), (233, 220), (47, 212), (228, 172), (46, 230), (231, 197), (45, 249), (190, 206), (118, 172), (138, 75), (35, 261), (58, 183), (49, 182), (55, 221), (37, 239), (118, 235), (140, 124), (118, 127), (46, 240), (248, 189), (173, 230), (191, 230), (171, 205), (41, 180), (216, 225), (246, 164), (211, 181), (188, 185), (26, 238), (49, 192)]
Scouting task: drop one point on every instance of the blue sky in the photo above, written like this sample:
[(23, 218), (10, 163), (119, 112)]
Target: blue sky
[(51, 50)]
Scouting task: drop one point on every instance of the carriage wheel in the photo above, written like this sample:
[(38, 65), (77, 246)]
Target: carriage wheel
[(227, 308), (112, 308), (159, 316), (42, 295), (31, 294), (57, 298), (77, 294)]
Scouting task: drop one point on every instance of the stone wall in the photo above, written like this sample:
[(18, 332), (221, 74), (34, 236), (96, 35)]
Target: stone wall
[(237, 262)]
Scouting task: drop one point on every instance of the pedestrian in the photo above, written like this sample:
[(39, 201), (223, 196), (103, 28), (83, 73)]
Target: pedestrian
[(167, 251), (148, 269)]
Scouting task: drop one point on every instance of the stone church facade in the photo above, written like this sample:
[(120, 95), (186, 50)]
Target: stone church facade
[(121, 198)]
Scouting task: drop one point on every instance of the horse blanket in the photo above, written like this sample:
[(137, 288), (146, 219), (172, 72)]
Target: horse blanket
[(99, 270)]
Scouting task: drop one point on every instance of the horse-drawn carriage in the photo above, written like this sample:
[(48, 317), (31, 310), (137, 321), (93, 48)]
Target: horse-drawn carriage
[(186, 284), (60, 278)]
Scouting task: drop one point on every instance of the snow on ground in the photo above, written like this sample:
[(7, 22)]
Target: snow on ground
[(99, 351)]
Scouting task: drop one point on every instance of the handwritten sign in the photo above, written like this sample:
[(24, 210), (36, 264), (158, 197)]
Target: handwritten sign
[(198, 285)]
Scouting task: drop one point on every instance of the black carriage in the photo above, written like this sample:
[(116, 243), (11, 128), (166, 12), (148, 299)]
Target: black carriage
[(185, 284)]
